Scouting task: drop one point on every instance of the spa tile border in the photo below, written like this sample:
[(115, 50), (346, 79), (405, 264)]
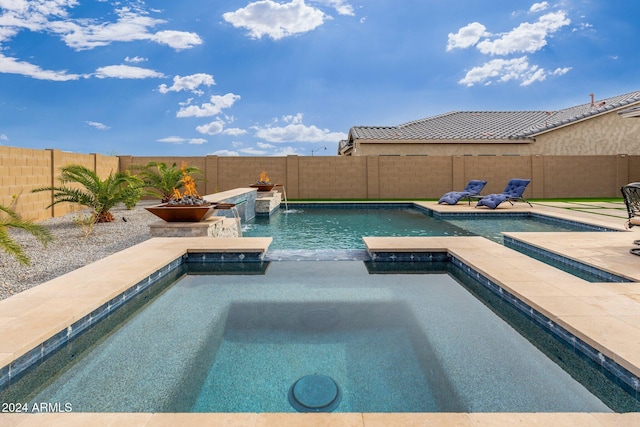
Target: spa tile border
[(37, 355), (526, 249), (615, 371)]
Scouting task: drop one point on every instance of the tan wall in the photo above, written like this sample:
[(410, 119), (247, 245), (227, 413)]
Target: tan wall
[(609, 134), (22, 170), (363, 177)]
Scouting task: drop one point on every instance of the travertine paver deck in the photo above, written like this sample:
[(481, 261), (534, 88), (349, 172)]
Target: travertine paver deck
[(606, 314)]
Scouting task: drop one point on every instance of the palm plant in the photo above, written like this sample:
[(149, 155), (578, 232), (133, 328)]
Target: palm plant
[(12, 219), (99, 195), (163, 179)]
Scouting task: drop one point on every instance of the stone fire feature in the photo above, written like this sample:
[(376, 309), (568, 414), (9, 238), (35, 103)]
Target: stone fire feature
[(216, 226)]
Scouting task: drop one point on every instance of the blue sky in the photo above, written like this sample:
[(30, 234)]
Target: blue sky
[(279, 77)]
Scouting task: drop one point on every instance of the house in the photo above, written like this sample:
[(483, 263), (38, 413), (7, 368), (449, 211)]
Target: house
[(596, 128)]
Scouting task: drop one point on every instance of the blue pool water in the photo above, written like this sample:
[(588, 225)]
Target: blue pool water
[(391, 342), (343, 227)]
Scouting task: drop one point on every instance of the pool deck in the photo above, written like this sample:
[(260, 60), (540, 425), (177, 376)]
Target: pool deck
[(605, 315)]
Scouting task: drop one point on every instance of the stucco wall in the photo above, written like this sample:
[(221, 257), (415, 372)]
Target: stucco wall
[(23, 169), (365, 177), (608, 134)]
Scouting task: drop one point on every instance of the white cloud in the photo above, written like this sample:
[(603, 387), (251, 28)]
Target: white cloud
[(217, 104), (285, 151), (188, 83), (526, 37), (237, 144), (126, 72), (132, 23), (172, 140), (275, 20), (213, 128), (466, 36), (97, 125), (253, 152), (180, 140), (265, 145), (227, 153), (14, 66), (177, 40), (4, 137), (135, 59), (539, 7), (295, 131), (503, 70), (234, 131), (341, 6)]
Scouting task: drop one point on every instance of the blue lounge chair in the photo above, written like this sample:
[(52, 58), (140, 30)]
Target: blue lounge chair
[(512, 193), (472, 189)]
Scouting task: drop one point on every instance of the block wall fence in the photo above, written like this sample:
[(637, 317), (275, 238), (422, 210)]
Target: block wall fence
[(315, 177)]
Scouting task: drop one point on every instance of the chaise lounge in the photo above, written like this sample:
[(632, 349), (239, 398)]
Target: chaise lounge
[(631, 194), (473, 188), (512, 193)]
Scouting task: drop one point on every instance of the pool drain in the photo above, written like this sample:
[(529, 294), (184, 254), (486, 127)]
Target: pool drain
[(314, 393)]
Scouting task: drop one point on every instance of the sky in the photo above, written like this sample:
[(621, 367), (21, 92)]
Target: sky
[(291, 77)]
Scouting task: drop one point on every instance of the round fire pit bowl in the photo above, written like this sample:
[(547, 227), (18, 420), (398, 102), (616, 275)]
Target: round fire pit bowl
[(182, 213), (263, 187)]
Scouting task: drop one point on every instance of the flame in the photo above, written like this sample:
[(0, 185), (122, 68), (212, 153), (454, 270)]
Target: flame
[(264, 177), (188, 182)]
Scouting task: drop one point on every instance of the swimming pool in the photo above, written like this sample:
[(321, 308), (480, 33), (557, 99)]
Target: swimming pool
[(237, 343), (341, 226)]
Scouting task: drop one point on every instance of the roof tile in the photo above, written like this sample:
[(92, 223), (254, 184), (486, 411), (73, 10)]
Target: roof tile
[(491, 125)]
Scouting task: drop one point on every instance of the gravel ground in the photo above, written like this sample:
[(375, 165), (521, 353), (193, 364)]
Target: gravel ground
[(71, 249)]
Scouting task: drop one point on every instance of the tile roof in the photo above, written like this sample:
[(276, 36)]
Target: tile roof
[(491, 125)]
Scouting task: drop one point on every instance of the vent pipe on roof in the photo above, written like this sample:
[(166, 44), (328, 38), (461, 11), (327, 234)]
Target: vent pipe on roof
[(592, 99)]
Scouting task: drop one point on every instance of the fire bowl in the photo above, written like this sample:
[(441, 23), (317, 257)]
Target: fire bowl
[(182, 213), (263, 187)]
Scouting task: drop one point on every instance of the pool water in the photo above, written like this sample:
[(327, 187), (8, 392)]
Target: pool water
[(391, 342), (343, 228)]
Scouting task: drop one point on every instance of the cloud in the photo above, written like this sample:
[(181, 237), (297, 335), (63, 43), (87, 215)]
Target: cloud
[(275, 20), (295, 131), (217, 104), (466, 36), (97, 125), (135, 59), (234, 131), (14, 66), (227, 153), (126, 72), (503, 70), (253, 152), (4, 137), (265, 145), (51, 16), (539, 7), (188, 83), (180, 140), (177, 40), (341, 6), (213, 128), (526, 37)]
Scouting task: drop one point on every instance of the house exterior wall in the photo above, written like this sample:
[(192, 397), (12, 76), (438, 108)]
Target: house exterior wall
[(607, 134)]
